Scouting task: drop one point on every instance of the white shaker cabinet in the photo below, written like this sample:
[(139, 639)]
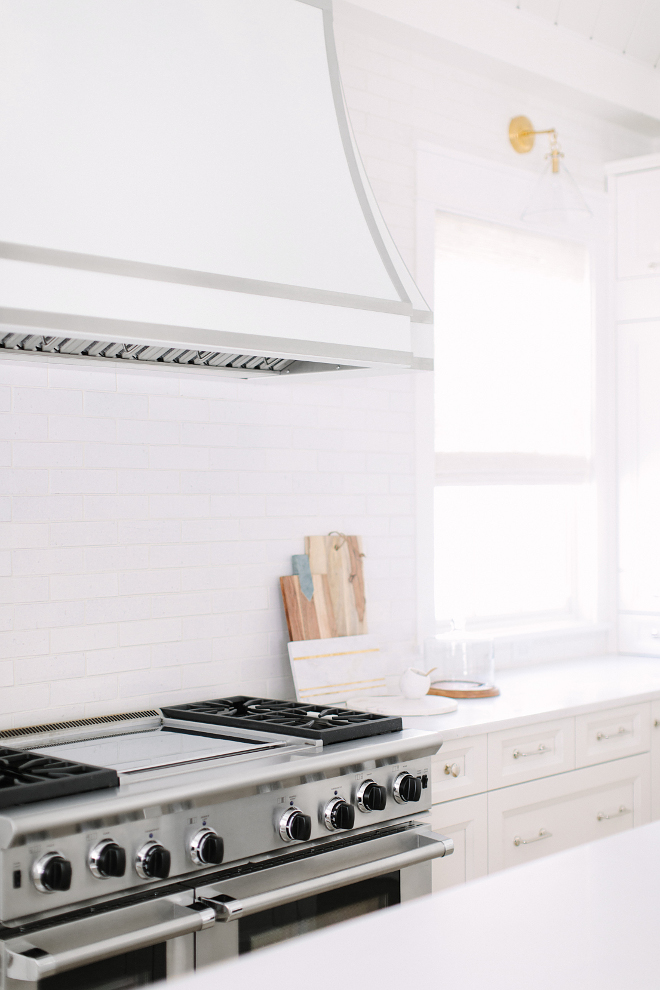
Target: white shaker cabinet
[(639, 486), (515, 794), (634, 186), (465, 821), (545, 816), (638, 223)]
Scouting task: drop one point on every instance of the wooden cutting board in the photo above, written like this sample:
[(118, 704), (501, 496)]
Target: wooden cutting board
[(308, 619), (340, 558)]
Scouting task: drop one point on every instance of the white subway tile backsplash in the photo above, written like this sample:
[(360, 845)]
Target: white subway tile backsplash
[(149, 631), (73, 639)]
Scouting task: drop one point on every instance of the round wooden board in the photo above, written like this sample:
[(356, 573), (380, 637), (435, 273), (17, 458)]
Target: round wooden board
[(464, 689)]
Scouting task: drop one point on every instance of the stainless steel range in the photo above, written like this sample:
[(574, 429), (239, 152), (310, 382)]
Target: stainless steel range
[(136, 847)]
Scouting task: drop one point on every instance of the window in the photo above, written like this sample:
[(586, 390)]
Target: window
[(514, 503)]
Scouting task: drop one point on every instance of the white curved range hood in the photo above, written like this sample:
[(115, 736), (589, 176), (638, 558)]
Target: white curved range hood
[(179, 183)]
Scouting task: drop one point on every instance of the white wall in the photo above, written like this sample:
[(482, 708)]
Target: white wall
[(146, 515)]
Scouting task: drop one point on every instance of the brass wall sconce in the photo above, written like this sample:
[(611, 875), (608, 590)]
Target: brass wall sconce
[(557, 197)]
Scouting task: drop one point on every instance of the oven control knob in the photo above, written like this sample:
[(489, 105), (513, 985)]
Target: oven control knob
[(294, 825), (407, 788), (371, 796), (206, 848), (338, 814), (152, 862), (107, 859), (51, 872)]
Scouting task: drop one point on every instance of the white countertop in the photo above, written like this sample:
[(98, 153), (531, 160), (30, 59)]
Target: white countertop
[(584, 919), (551, 690)]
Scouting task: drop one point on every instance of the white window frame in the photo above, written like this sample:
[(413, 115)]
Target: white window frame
[(453, 182)]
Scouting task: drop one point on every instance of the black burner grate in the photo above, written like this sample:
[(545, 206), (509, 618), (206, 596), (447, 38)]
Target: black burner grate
[(29, 777), (288, 717)]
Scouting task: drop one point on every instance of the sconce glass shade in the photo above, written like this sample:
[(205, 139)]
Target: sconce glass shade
[(556, 198)]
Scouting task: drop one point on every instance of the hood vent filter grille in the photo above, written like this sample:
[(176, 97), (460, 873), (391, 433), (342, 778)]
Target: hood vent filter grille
[(154, 354)]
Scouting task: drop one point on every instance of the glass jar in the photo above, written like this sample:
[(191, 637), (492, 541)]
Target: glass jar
[(464, 664)]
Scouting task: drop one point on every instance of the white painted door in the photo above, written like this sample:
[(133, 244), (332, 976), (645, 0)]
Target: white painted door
[(466, 822)]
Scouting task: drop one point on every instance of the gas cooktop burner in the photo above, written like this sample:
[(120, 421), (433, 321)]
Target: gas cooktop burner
[(289, 717), (27, 777)]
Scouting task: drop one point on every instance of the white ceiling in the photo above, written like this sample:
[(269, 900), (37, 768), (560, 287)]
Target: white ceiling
[(629, 27)]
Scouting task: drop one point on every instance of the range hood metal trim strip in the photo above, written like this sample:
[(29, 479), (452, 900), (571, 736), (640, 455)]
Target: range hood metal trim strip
[(206, 280), (102, 328), (350, 152)]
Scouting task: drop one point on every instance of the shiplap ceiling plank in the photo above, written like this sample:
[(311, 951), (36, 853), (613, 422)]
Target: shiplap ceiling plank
[(616, 21), (644, 42), (579, 15), (547, 9), (630, 27)]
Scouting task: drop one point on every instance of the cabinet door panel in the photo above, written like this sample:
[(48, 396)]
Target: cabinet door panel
[(638, 455), (638, 223), (601, 736), (465, 821), (459, 769), (532, 820), (530, 751)]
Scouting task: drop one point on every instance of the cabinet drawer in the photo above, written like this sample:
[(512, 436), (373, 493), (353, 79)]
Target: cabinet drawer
[(466, 822), (545, 816), (527, 752), (639, 634), (608, 735), (460, 768)]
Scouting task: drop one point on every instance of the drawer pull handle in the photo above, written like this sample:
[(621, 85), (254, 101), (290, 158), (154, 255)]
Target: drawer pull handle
[(542, 749), (656, 723), (601, 816), (543, 834), (604, 735), (453, 769)]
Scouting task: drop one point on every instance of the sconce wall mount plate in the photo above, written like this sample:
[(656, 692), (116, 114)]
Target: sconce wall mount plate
[(521, 134)]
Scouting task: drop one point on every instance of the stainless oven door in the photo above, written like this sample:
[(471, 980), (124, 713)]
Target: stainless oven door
[(312, 887), (117, 949)]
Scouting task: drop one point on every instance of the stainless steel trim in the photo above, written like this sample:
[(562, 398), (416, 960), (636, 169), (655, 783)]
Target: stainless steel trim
[(196, 841), (77, 730), (98, 328), (285, 823), (350, 151), (39, 867), (328, 814), (207, 280), (31, 969), (359, 795), (396, 787), (432, 846), (95, 855), (141, 857)]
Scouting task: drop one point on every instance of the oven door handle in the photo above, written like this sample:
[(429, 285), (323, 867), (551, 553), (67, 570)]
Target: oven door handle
[(25, 961), (431, 846)]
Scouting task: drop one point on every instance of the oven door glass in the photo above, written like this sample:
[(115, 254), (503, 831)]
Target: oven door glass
[(132, 969), (311, 913)]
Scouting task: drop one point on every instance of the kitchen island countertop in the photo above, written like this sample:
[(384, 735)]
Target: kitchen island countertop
[(584, 919)]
